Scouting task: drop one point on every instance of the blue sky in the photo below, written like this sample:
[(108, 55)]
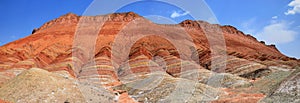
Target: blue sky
[(274, 21)]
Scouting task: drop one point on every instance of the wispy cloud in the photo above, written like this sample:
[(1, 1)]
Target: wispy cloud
[(277, 33), (248, 26), (274, 17), (212, 20), (13, 37), (295, 4), (176, 14)]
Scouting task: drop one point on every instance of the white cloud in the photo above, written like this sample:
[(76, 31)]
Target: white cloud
[(212, 20), (160, 19), (176, 14), (248, 26), (295, 4), (277, 33), (13, 37), (274, 17)]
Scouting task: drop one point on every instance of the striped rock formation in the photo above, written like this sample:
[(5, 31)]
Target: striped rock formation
[(244, 68), (101, 70), (139, 64), (213, 79), (232, 64), (161, 87), (76, 53), (171, 63)]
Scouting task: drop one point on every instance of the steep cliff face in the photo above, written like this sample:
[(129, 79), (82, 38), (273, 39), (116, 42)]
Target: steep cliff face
[(51, 47)]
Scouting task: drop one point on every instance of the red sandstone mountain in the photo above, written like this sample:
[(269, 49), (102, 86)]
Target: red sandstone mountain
[(51, 47)]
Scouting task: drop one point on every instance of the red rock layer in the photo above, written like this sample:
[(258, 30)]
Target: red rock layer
[(50, 46), (139, 62), (171, 63), (101, 70)]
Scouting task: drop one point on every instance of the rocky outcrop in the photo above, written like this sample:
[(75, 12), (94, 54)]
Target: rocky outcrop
[(288, 90), (231, 30), (127, 17)]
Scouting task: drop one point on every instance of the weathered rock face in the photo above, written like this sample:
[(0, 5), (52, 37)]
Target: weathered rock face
[(37, 85), (160, 87), (9, 74), (156, 68), (234, 97), (67, 19), (288, 90)]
